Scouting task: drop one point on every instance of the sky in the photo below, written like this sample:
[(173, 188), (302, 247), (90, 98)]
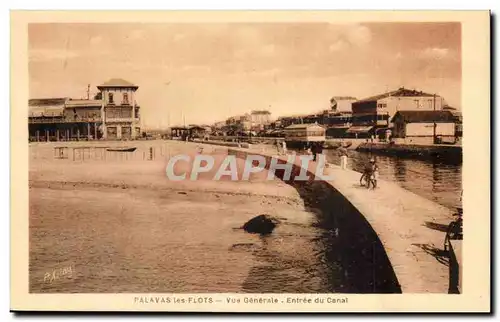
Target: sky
[(202, 73)]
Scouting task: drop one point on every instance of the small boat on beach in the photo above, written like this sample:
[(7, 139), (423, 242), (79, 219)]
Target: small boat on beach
[(121, 149)]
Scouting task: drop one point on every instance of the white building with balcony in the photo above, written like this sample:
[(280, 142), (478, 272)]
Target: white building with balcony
[(119, 110)]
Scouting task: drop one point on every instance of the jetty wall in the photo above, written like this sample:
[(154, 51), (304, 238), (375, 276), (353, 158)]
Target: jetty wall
[(224, 143), (387, 238), (444, 151)]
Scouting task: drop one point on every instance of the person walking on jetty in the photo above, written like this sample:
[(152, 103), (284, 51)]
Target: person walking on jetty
[(277, 144), (314, 150), (374, 173), (284, 148), (307, 149), (319, 148), (343, 157)]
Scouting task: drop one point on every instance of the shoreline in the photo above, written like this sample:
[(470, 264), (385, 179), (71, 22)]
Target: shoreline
[(445, 153)]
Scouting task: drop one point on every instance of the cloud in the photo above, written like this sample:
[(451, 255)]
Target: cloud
[(349, 36), (435, 53), (268, 50), (266, 72), (179, 37), (196, 69), (136, 34), (338, 45), (358, 35), (95, 40), (264, 50), (37, 55)]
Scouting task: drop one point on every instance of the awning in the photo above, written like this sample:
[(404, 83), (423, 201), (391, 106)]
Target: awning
[(359, 129)]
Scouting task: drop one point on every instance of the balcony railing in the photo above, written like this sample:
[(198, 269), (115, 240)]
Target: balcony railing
[(120, 119), (52, 120)]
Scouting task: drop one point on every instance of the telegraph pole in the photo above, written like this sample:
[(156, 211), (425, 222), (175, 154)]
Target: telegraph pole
[(167, 84), (434, 108), (88, 91)]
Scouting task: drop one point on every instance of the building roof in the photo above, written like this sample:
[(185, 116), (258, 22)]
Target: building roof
[(400, 92), (424, 116), (331, 113), (83, 103), (360, 129), (303, 126), (117, 82), (46, 101), (52, 111), (264, 112), (197, 127), (343, 98), (295, 116), (46, 107), (457, 115)]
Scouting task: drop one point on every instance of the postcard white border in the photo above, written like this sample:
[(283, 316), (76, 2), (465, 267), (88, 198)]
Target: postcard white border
[(476, 173)]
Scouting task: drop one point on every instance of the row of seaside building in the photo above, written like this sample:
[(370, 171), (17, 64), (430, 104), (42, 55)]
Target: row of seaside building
[(403, 113), (114, 114)]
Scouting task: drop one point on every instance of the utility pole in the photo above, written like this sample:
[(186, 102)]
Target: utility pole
[(167, 84), (88, 91), (434, 108)]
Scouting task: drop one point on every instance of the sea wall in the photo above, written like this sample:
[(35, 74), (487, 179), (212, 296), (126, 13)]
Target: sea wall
[(387, 238), (354, 243), (223, 143), (442, 151)]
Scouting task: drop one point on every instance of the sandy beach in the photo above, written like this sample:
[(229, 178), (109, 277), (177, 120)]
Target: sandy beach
[(119, 225)]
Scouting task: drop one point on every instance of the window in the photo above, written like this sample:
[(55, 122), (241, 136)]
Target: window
[(125, 99), (117, 112), (110, 98), (126, 113)]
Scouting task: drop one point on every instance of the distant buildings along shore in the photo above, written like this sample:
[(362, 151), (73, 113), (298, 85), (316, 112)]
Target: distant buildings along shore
[(365, 118), (114, 114)]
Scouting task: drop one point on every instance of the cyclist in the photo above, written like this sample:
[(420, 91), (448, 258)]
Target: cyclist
[(370, 174)]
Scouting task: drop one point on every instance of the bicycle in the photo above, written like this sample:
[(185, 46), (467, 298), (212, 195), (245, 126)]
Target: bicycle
[(454, 230), (367, 179)]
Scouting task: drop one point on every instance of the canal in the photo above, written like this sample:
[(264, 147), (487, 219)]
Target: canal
[(434, 180)]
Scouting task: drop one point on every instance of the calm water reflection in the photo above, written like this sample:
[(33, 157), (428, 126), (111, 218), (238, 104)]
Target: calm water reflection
[(433, 180)]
